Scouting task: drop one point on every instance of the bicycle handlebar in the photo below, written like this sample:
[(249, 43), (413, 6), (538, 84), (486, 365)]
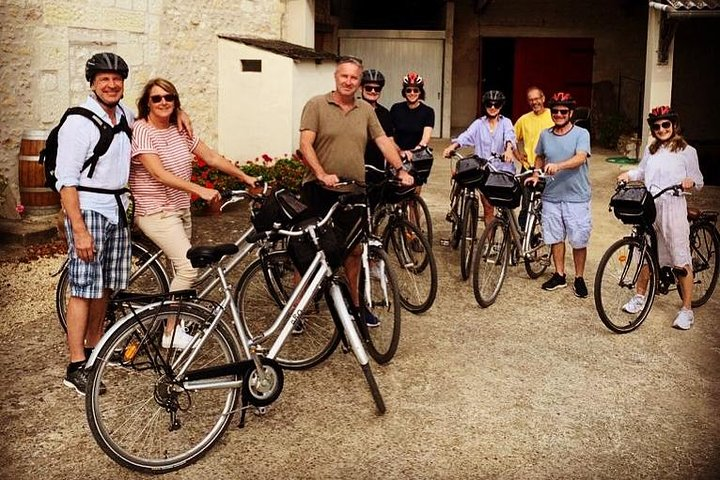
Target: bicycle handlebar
[(677, 189)]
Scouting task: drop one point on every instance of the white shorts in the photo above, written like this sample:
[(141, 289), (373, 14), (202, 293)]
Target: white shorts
[(566, 220)]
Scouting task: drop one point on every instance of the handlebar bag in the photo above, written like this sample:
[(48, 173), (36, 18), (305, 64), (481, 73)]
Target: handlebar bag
[(280, 207), (470, 171), (394, 193), (422, 162), (502, 189), (633, 205)]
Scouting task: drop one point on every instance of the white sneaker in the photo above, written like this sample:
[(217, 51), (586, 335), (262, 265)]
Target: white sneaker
[(180, 340), (635, 305), (684, 319)]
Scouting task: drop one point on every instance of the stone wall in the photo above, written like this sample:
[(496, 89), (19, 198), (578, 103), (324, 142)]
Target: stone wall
[(44, 46)]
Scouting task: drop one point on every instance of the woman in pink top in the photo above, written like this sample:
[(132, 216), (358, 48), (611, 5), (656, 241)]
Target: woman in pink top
[(160, 182)]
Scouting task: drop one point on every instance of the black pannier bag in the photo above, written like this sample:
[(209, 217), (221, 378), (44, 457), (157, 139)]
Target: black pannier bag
[(394, 193), (302, 250), (501, 189), (633, 205), (280, 207), (470, 171), (422, 162)]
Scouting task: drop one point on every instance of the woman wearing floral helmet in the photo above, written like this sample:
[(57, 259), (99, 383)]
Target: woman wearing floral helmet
[(668, 160)]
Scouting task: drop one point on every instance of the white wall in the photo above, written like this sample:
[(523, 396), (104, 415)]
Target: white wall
[(259, 112)]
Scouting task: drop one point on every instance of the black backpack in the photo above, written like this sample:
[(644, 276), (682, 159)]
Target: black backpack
[(48, 156)]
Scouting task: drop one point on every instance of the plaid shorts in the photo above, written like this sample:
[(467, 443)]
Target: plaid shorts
[(111, 266)]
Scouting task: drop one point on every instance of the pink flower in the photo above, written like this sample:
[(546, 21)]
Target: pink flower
[(267, 158), (20, 208)]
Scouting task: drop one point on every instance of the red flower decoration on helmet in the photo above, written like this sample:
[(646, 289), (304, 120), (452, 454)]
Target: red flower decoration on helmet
[(662, 112), (412, 79), (562, 98)]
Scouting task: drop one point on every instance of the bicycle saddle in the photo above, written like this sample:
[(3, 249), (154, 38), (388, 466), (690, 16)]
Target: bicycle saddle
[(205, 255)]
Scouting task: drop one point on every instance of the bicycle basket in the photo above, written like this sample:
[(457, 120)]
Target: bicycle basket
[(302, 249), (501, 189), (281, 207), (422, 162), (470, 171), (633, 205)]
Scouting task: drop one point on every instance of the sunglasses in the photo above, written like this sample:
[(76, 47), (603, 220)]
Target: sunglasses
[(372, 88), (167, 97), (412, 90), (559, 111), (493, 105), (664, 125)]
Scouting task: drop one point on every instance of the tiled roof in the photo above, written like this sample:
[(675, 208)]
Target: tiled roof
[(296, 52), (693, 4)]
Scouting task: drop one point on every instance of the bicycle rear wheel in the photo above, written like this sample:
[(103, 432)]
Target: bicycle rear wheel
[(412, 260), (615, 281), (538, 258), (146, 420), (383, 303), (704, 245), (260, 295), (145, 277), (490, 263), (468, 237)]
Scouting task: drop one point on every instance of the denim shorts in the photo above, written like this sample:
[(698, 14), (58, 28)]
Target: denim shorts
[(566, 220), (111, 265)]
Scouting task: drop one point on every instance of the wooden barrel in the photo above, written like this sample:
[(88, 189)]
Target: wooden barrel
[(34, 195)]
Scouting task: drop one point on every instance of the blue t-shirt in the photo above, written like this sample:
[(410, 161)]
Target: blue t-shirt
[(566, 185)]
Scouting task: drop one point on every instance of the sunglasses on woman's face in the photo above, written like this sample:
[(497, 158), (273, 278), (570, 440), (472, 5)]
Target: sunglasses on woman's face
[(664, 125), (372, 88), (412, 90), (493, 104), (168, 98)]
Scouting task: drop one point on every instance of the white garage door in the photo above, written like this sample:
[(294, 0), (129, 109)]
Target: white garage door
[(395, 57)]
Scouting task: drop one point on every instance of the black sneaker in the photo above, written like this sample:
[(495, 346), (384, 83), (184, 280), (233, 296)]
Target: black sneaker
[(78, 380), (555, 282), (371, 320), (579, 287)]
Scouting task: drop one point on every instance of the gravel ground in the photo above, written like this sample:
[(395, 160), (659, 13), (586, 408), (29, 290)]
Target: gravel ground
[(532, 387)]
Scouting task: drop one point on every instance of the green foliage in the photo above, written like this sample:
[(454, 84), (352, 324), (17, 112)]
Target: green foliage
[(282, 172)]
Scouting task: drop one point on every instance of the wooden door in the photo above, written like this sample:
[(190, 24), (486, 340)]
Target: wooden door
[(553, 64)]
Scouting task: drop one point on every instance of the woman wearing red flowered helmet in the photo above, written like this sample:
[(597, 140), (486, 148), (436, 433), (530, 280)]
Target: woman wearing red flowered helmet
[(413, 119), (668, 160)]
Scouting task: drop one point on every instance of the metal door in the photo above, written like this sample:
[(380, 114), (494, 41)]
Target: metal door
[(395, 57)]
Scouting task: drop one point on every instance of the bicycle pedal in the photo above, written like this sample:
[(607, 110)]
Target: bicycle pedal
[(260, 411)]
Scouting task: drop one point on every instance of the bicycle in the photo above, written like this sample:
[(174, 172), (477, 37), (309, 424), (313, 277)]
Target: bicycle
[(620, 267), (409, 252), (148, 273), (465, 208), (267, 283), (414, 208), (503, 242), (160, 412)]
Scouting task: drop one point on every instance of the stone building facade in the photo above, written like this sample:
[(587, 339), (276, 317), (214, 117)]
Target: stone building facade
[(45, 44)]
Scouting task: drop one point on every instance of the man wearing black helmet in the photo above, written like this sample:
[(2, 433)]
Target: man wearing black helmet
[(94, 201), (563, 151)]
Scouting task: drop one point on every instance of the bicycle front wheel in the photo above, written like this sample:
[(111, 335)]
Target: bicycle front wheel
[(704, 243), (261, 294), (617, 276), (490, 263), (146, 276), (412, 260), (468, 237), (418, 214), (139, 414), (380, 300), (538, 258)]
